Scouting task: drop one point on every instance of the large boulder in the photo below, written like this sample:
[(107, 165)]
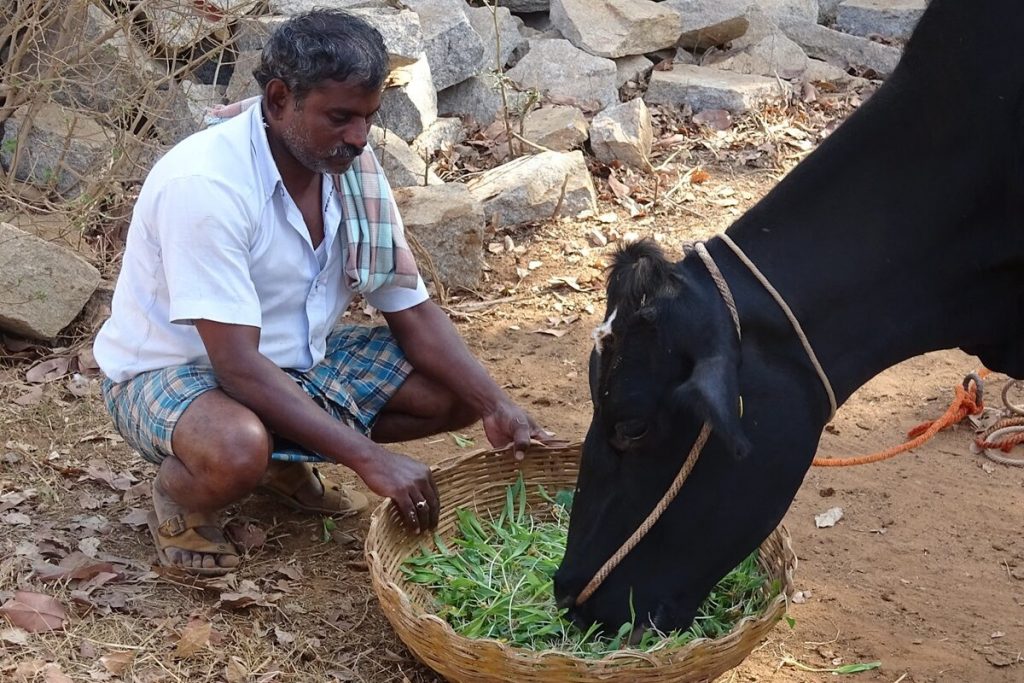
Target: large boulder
[(401, 31), (703, 87), (453, 48), (709, 23), (889, 18), (402, 166), (449, 224), (531, 188), (45, 286), (623, 133), (59, 151), (409, 104), (507, 36), (616, 28), (479, 100), (560, 128), (764, 50), (844, 50), (525, 5), (590, 82)]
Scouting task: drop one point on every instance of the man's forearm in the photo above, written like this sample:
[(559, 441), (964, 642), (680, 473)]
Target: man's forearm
[(282, 405), (434, 347)]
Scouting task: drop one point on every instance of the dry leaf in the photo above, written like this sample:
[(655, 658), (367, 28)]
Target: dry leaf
[(136, 518), (16, 519), (34, 612), (76, 566), (717, 119), (618, 188), (14, 636), (30, 397), (194, 638), (699, 176), (235, 671), (246, 536), (553, 333), (52, 673), (117, 662), (48, 370), (283, 637)]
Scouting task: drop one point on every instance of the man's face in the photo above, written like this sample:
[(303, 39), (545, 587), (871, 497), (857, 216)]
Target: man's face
[(327, 129)]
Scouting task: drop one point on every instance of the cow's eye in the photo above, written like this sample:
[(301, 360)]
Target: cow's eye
[(631, 430)]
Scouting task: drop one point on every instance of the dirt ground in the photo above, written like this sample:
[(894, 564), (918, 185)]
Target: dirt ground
[(920, 574)]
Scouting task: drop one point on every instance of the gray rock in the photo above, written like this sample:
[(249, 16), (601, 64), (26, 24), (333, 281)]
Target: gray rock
[(401, 31), (441, 134), (478, 99), (709, 23), (844, 50), (60, 150), (624, 133), (201, 97), (508, 34), (402, 166), (818, 71), (448, 223), (889, 18), (99, 77), (616, 28), (632, 68), (251, 33), (453, 48), (242, 83), (525, 5), (178, 27), (292, 7), (589, 83), (528, 189), (45, 285), (790, 12), (559, 128), (410, 106), (704, 87), (827, 10), (764, 50)]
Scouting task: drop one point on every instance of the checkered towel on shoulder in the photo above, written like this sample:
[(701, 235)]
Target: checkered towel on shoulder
[(377, 253)]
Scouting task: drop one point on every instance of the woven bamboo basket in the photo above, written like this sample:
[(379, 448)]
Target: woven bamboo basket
[(478, 482)]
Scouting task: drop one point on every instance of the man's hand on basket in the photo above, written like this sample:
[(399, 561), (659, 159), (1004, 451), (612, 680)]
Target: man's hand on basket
[(408, 483), (508, 424)]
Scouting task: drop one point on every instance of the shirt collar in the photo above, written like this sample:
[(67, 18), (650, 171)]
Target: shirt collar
[(265, 164)]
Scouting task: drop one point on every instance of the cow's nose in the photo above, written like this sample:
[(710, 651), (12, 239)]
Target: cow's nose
[(567, 601)]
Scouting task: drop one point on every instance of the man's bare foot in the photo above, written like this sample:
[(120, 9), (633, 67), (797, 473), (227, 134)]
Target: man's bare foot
[(189, 558), (299, 485)]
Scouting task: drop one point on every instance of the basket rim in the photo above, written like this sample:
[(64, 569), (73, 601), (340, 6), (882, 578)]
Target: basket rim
[(769, 616)]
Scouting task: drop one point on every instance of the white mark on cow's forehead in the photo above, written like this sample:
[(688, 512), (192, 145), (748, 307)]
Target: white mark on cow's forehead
[(603, 330)]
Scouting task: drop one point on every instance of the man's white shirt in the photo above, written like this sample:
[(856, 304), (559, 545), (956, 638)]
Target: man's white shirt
[(216, 236)]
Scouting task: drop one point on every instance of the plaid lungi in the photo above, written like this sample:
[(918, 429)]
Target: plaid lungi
[(362, 370)]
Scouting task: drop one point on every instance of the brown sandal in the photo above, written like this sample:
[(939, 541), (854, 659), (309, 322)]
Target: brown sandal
[(337, 500), (179, 531)]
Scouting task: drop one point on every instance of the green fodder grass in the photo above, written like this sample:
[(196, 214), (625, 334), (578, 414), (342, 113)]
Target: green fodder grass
[(494, 580)]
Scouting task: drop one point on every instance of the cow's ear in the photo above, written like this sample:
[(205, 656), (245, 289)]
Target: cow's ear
[(712, 392)]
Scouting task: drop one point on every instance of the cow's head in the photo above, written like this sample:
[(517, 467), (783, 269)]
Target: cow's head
[(665, 360)]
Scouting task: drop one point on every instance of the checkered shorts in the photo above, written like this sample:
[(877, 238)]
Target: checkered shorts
[(363, 369)]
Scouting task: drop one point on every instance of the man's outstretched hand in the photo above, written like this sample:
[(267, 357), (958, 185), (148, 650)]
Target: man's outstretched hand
[(408, 483), (509, 424)]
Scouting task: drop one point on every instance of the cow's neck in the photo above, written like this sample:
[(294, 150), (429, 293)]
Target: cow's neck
[(895, 237)]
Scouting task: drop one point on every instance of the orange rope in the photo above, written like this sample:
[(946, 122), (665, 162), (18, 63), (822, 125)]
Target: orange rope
[(1006, 443), (964, 403)]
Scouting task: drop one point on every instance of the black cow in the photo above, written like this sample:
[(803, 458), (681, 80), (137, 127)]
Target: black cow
[(901, 234)]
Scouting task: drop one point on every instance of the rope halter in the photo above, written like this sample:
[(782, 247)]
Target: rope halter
[(705, 430)]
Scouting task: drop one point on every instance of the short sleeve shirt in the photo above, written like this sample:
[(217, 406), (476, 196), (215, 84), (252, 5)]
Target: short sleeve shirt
[(216, 236)]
